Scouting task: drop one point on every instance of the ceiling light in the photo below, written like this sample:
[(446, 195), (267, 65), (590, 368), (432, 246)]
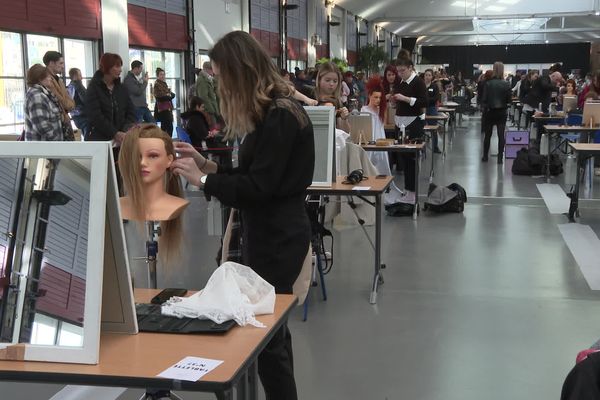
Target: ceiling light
[(462, 4), (508, 1), (495, 8), (475, 18), (597, 13), (547, 41)]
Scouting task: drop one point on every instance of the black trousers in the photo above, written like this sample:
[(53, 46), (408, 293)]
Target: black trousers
[(494, 117), (166, 121), (276, 367), (413, 131)]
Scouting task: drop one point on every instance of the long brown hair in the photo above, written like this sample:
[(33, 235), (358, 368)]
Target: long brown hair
[(324, 69), (130, 169), (248, 81)]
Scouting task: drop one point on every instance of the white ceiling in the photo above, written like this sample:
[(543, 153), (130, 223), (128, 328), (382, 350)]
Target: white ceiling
[(462, 22)]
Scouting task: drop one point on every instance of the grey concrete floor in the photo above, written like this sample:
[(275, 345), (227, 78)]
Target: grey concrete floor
[(488, 304)]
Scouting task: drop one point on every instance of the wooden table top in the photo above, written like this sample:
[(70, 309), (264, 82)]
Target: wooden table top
[(376, 185), (395, 147), (436, 117), (135, 360), (431, 127), (570, 128), (446, 109), (585, 147), (450, 104), (547, 117)]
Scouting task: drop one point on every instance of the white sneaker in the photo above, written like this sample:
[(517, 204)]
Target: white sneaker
[(409, 197)]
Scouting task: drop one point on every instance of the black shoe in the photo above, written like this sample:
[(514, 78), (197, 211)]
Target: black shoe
[(437, 150), (500, 160), (484, 159)]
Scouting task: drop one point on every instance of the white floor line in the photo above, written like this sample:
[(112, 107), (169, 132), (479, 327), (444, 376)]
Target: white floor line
[(585, 247), (555, 198), (72, 392)]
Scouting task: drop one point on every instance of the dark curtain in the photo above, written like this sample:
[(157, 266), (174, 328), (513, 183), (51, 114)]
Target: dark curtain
[(462, 58)]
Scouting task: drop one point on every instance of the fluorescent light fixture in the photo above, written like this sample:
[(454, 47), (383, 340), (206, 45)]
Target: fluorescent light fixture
[(546, 41), (597, 13), (509, 25), (462, 4), (495, 8), (508, 1)]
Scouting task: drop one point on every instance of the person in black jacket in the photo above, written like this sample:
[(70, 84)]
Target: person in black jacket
[(496, 98), (433, 98), (195, 122), (108, 107), (411, 101), (276, 162)]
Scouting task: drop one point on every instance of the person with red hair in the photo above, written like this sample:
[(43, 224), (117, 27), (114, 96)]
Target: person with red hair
[(108, 106), (376, 106)]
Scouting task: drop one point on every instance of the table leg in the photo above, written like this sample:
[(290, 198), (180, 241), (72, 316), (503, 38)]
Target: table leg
[(432, 172), (225, 395), (242, 388), (444, 148), (548, 159), (574, 205), (377, 272), (417, 168), (253, 381)]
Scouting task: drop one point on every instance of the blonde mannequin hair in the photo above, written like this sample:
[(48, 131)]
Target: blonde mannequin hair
[(130, 169)]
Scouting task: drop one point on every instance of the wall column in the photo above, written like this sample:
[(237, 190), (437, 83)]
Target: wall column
[(115, 33)]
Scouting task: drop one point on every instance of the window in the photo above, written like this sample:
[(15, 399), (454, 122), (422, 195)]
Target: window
[(171, 62), (12, 83), (26, 50), (80, 54), (37, 46)]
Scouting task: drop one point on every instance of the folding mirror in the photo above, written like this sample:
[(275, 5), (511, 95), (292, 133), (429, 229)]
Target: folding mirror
[(60, 239), (323, 122)]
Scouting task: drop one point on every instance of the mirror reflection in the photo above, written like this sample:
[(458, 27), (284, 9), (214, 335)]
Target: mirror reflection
[(44, 213)]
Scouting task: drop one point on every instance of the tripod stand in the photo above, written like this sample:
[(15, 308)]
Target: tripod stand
[(152, 234)]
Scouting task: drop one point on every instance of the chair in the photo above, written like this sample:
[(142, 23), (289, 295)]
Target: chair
[(182, 135)]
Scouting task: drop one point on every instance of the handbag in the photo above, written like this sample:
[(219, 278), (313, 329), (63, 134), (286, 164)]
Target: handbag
[(164, 105), (68, 134)]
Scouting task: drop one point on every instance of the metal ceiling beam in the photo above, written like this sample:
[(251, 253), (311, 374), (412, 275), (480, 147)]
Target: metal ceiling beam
[(489, 33), (481, 16)]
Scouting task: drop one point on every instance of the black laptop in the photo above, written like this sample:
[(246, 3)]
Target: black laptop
[(150, 319)]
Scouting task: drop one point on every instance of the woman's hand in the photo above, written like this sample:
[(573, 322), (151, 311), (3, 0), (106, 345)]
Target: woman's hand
[(118, 138), (401, 97), (344, 113), (187, 168)]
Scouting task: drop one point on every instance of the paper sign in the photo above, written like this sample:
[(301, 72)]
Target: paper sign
[(361, 188), (190, 369)]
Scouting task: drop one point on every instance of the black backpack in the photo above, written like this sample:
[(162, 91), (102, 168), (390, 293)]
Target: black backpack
[(451, 198), (530, 162)]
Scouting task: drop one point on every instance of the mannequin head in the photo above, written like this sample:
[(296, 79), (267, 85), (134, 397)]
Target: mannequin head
[(376, 99), (144, 160)]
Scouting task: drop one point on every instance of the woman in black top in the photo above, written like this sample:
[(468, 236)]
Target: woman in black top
[(108, 107), (411, 100), (433, 97), (276, 161), (496, 98), (195, 122)]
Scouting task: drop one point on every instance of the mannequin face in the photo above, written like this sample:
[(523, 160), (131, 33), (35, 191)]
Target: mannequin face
[(375, 99), (154, 160), (328, 83)]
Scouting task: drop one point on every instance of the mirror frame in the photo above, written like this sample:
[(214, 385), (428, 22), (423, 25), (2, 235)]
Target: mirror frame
[(98, 152), (324, 116)]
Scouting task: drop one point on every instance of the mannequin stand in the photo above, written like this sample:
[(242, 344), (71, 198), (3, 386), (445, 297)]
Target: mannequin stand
[(152, 232)]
